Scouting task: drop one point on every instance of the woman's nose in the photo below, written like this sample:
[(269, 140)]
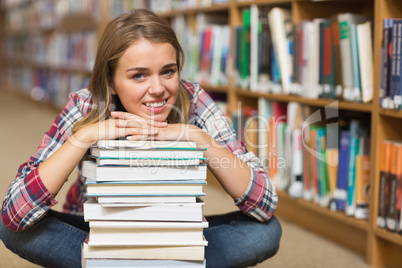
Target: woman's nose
[(156, 88)]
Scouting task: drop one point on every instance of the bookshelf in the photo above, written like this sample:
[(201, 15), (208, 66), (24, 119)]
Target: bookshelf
[(380, 247)]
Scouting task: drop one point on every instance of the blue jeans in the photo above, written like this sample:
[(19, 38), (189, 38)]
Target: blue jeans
[(234, 240)]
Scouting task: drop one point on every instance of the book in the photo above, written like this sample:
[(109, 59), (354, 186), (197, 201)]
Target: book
[(160, 212), (137, 233), (385, 168), (93, 172), (280, 22), (392, 218), (102, 263), (145, 144), (147, 161), (356, 94), (366, 62), (147, 153), (385, 63), (362, 176), (337, 55), (340, 193), (145, 188), (195, 253), (345, 21), (147, 199), (353, 152)]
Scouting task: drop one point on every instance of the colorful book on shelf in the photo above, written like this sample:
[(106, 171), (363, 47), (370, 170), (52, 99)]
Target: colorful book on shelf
[(138, 233), (385, 63), (328, 61), (393, 215), (396, 79), (332, 160), (146, 188), (280, 22), (93, 172), (366, 62), (385, 168), (356, 94), (324, 194), (363, 178), (340, 193), (337, 56), (353, 152), (245, 49), (136, 212), (345, 21)]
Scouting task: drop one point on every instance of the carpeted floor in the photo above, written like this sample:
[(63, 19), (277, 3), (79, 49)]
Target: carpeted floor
[(23, 124)]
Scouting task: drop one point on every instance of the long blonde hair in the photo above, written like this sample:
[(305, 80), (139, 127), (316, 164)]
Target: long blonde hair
[(117, 37)]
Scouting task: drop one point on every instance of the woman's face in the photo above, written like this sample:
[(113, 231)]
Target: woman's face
[(147, 79)]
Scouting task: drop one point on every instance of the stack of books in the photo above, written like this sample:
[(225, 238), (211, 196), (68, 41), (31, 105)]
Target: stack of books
[(145, 204)]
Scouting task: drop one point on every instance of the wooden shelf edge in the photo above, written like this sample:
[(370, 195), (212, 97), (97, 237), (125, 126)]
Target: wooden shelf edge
[(190, 11), (389, 236), (391, 113), (211, 88), (336, 215), (353, 106)]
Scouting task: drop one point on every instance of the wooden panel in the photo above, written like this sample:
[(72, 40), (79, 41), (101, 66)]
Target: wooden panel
[(346, 231)]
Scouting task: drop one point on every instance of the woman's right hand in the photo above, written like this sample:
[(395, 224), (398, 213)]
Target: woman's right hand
[(121, 125)]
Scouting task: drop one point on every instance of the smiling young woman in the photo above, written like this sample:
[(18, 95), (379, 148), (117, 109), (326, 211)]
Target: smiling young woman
[(135, 93)]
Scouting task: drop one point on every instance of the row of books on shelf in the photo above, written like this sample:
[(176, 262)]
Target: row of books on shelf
[(322, 158), (54, 49), (45, 14), (160, 6), (207, 48), (321, 58), (391, 77), (141, 218), (43, 84), (390, 191)]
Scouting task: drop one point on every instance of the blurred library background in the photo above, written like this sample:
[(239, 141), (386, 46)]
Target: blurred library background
[(311, 87)]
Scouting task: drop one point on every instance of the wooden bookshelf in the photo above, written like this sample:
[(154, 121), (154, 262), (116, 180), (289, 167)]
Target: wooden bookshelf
[(380, 247)]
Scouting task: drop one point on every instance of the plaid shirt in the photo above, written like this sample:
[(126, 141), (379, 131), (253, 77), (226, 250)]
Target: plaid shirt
[(27, 199)]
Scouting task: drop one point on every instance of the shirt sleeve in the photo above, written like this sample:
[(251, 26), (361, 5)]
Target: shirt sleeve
[(27, 199), (260, 198)]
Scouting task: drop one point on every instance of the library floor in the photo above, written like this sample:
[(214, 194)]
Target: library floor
[(23, 124)]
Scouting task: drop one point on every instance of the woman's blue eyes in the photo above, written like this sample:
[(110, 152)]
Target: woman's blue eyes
[(140, 76)]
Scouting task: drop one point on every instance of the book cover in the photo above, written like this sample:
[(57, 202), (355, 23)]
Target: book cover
[(93, 172), (280, 22), (147, 153), (385, 167), (353, 152), (102, 262), (147, 199), (337, 56), (135, 233), (363, 178), (356, 94), (392, 218), (145, 252), (366, 61), (145, 188), (340, 193), (166, 212), (147, 161), (151, 144), (345, 21)]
